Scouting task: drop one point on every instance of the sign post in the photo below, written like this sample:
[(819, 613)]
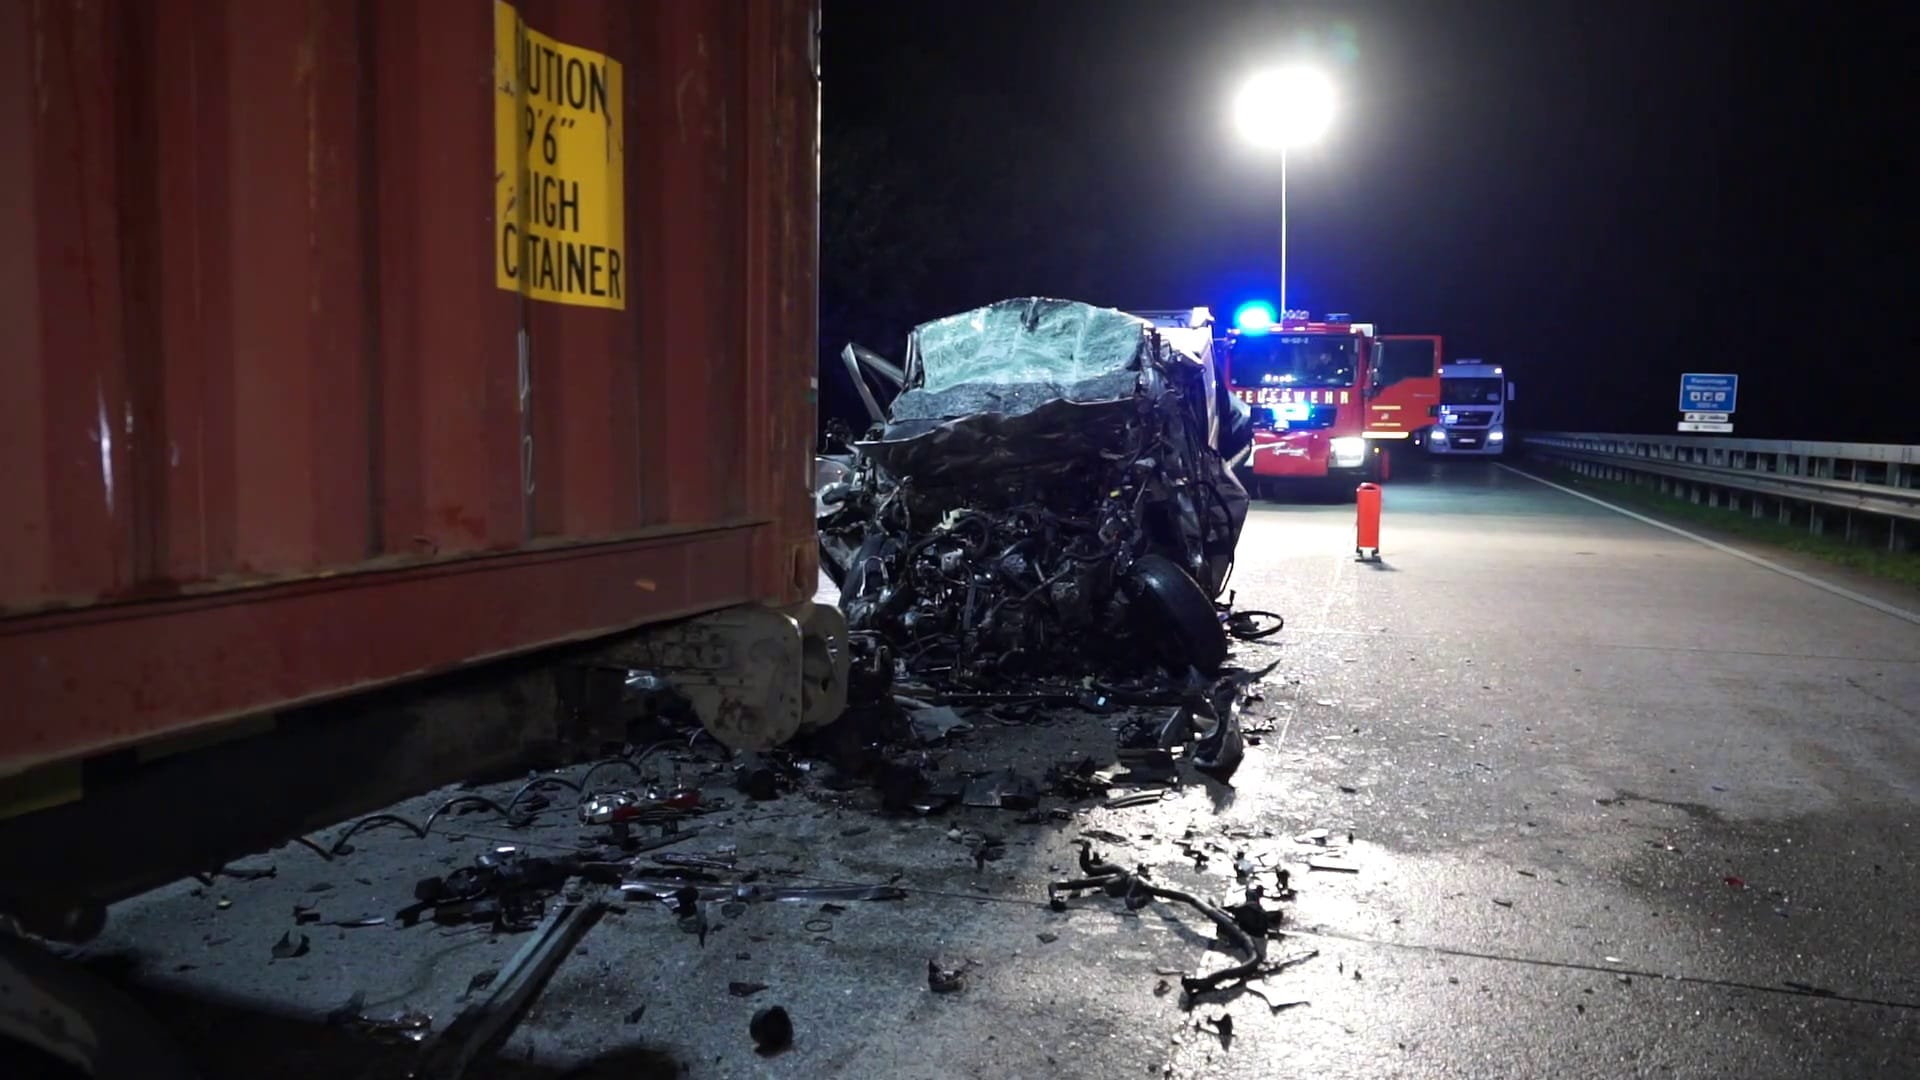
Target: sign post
[(1707, 402)]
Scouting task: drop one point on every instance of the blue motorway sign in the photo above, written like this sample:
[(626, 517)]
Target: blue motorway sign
[(1708, 393)]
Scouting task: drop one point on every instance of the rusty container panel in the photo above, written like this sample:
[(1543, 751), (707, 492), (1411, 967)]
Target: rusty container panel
[(276, 425)]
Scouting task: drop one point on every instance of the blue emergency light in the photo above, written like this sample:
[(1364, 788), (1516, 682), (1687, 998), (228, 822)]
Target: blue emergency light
[(1254, 317)]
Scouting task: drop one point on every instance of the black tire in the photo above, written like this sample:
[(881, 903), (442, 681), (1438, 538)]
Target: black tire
[(1189, 634)]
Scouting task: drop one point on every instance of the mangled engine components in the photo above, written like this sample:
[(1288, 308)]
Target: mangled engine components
[(1045, 499)]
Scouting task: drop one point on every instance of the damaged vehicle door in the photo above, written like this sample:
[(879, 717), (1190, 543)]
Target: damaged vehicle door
[(1044, 499)]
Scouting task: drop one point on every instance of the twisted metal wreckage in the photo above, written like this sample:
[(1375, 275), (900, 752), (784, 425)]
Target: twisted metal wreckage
[(1046, 511)]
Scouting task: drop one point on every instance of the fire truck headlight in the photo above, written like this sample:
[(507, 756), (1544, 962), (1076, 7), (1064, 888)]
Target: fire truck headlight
[(1496, 435), (1348, 452)]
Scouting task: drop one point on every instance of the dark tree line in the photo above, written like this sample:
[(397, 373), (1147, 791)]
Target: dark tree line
[(934, 204)]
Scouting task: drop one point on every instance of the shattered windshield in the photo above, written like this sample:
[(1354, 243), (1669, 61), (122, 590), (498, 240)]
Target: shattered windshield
[(1302, 360), (1039, 342)]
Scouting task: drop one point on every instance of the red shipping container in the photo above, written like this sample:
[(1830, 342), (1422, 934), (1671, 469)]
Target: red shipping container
[(358, 341)]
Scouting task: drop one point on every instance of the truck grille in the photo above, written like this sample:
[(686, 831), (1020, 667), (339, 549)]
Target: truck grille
[(1474, 419)]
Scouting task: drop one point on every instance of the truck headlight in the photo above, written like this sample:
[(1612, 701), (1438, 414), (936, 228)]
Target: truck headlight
[(1439, 435), (1348, 452), (1496, 435)]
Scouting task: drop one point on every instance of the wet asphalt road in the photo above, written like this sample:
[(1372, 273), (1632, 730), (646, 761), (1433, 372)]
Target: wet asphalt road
[(1619, 805), (1581, 744)]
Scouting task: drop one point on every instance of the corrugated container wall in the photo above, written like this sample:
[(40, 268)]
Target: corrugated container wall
[(357, 339)]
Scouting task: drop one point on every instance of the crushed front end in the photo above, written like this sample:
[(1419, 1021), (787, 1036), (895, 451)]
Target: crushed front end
[(1045, 500)]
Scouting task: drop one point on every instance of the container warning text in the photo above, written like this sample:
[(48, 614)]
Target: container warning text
[(558, 168)]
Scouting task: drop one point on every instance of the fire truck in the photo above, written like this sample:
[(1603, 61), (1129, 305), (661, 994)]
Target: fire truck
[(1403, 402), (1329, 396)]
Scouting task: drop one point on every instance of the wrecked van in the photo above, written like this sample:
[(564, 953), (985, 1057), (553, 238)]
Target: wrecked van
[(1045, 496)]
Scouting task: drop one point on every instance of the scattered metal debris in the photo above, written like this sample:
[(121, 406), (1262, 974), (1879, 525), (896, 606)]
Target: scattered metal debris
[(621, 810), (745, 989), (290, 947), (755, 778), (1005, 789), (1132, 888), (752, 893), (242, 873), (480, 1023), (408, 1025), (1251, 625), (943, 979), (936, 723), (704, 862), (1253, 916), (771, 1029), (1077, 780), (988, 849), (503, 887), (1147, 766)]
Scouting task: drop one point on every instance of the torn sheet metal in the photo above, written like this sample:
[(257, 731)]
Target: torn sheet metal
[(1045, 497), (676, 891)]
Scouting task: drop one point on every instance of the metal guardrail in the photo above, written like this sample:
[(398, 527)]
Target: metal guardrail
[(1801, 480)]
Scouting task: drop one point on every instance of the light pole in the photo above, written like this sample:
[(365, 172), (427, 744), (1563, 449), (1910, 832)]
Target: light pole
[(1278, 110)]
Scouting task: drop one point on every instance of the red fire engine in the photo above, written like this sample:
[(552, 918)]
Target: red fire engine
[(1329, 397), (1403, 402)]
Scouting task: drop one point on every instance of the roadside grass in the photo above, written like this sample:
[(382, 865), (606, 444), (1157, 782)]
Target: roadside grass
[(1862, 556)]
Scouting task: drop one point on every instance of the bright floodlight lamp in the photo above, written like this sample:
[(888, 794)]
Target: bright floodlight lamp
[(1279, 109), (1285, 107)]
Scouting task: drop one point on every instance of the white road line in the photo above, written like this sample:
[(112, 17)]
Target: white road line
[(1806, 579)]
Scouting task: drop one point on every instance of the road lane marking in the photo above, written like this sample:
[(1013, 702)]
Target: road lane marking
[(1806, 579), (1410, 635)]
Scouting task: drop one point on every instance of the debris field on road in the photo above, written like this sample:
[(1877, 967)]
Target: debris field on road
[(644, 888)]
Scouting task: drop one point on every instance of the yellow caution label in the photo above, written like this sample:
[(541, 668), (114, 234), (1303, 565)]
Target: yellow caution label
[(559, 168)]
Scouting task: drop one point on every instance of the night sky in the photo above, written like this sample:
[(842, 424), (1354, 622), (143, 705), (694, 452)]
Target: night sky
[(1596, 195)]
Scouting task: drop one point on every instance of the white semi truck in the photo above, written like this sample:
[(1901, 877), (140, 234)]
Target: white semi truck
[(1473, 410)]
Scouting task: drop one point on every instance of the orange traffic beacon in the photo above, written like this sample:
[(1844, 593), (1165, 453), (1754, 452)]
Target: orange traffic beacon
[(1366, 542)]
